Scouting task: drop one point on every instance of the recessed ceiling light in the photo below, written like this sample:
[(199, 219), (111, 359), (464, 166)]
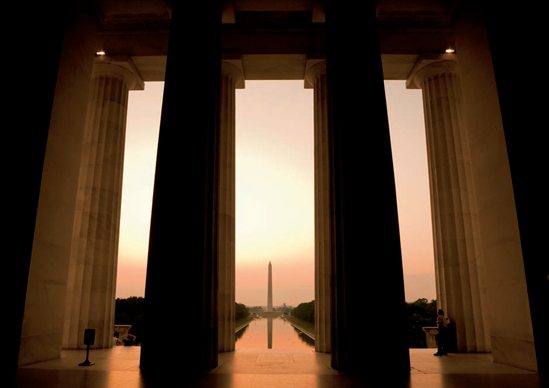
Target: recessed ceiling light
[(450, 50), (100, 53)]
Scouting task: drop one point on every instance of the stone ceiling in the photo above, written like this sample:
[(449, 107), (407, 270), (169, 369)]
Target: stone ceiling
[(408, 28), (396, 13)]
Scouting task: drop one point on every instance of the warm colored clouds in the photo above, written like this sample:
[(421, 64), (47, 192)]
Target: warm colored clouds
[(274, 190), (139, 164), (274, 172), (405, 110), (130, 277)]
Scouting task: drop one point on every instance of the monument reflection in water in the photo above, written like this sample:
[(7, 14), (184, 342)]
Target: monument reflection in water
[(272, 333)]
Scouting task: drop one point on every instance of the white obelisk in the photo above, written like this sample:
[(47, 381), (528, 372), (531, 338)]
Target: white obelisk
[(270, 289)]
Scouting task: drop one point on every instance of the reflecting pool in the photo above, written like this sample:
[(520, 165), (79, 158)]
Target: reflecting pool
[(272, 333)]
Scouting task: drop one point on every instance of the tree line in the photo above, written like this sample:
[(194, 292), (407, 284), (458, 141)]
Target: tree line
[(421, 313), (129, 311), (305, 311), (240, 311)]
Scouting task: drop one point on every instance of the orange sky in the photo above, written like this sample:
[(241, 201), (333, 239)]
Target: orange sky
[(274, 190)]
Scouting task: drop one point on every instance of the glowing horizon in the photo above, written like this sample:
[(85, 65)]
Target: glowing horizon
[(275, 190)]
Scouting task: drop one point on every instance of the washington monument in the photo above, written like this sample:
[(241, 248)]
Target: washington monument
[(270, 289)]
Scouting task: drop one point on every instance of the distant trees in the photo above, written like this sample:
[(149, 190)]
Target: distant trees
[(129, 311), (420, 313), (305, 311), (240, 311)]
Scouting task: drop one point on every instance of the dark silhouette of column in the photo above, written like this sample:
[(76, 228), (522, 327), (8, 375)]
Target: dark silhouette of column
[(46, 35), (182, 263), (366, 256), (46, 278), (522, 115)]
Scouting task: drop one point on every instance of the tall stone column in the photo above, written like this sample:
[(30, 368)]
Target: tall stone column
[(182, 266), (94, 253), (48, 36), (365, 241), (67, 42), (231, 78), (527, 159), (458, 256), (315, 77)]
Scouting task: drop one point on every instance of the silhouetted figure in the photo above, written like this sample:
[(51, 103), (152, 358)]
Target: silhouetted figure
[(442, 335)]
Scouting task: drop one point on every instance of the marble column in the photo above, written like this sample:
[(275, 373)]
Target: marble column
[(94, 253), (231, 78), (182, 267), (48, 40), (365, 241), (56, 145), (456, 236), (315, 77), (527, 167)]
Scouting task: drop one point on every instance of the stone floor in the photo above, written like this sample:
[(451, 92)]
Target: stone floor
[(251, 368)]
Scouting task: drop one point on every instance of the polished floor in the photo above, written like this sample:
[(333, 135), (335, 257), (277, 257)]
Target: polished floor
[(256, 368)]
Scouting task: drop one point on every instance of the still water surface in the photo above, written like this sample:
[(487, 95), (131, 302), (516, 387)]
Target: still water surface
[(272, 333)]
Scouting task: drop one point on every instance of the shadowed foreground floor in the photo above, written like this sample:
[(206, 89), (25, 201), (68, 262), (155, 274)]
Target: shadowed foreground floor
[(251, 368)]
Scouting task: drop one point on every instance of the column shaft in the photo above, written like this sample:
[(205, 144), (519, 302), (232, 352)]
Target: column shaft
[(458, 261), (527, 159), (366, 256), (511, 303), (182, 268), (42, 330), (230, 76), (316, 77), (47, 36), (94, 253)]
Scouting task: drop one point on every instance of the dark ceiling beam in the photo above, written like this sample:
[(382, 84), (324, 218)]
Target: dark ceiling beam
[(288, 41)]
